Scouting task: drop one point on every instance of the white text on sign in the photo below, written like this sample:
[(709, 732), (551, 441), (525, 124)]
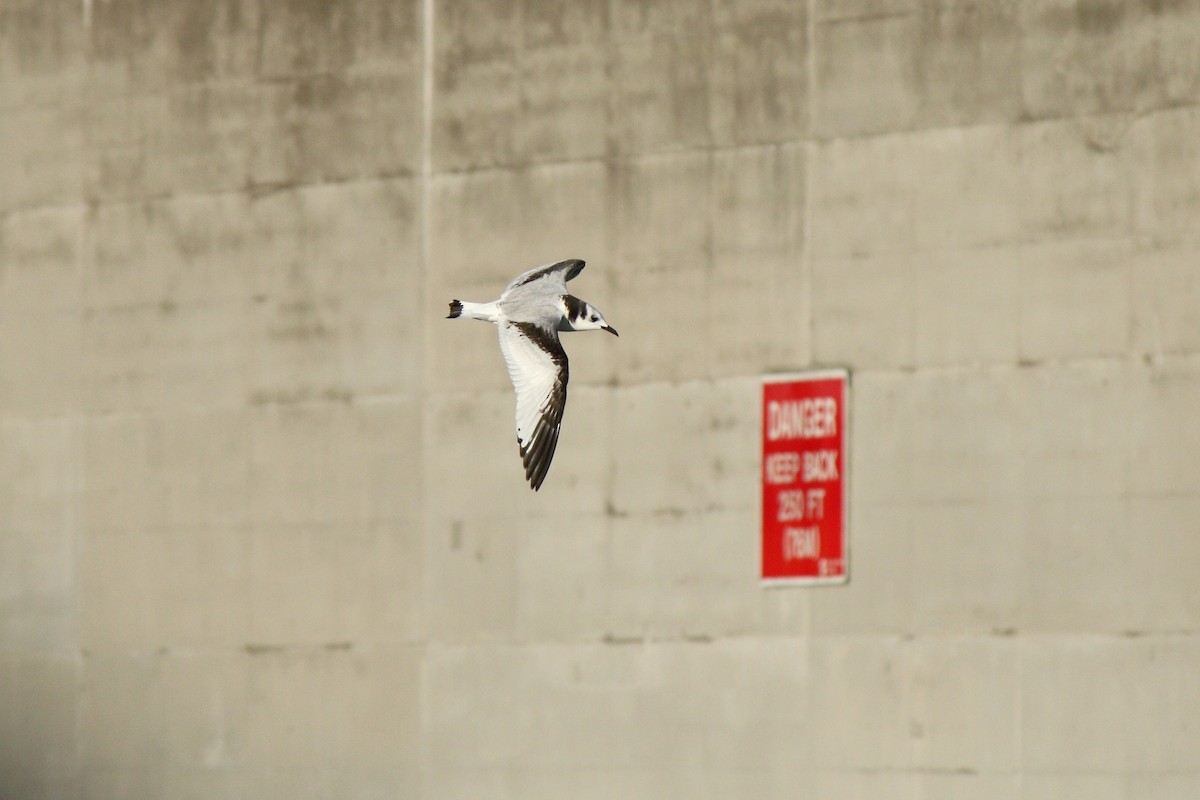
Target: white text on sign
[(782, 467), (797, 504), (801, 543), (807, 418), (791, 505), (820, 465)]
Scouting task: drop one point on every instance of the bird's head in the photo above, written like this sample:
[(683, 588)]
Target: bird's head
[(583, 316), (592, 320)]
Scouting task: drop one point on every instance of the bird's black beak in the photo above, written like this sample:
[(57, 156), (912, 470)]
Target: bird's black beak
[(611, 330)]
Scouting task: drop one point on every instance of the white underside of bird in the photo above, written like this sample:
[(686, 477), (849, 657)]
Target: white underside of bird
[(529, 315)]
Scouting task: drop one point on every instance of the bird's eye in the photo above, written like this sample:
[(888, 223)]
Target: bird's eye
[(594, 318)]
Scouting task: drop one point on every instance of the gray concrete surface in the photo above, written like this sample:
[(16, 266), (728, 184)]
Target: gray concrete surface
[(263, 531)]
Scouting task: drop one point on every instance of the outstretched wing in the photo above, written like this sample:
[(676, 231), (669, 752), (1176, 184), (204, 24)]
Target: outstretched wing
[(537, 365), (560, 272)]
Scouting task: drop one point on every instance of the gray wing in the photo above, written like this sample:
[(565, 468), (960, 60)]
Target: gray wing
[(559, 272), (537, 365)]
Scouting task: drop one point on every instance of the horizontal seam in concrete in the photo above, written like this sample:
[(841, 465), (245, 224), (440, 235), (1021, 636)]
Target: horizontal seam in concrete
[(621, 160), (252, 192), (1011, 637), (1013, 125), (836, 19)]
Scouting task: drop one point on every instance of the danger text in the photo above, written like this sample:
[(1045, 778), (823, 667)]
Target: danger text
[(809, 418)]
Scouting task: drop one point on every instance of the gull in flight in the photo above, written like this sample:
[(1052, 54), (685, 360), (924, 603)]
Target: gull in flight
[(529, 314)]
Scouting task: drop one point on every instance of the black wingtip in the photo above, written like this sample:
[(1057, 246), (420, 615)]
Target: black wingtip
[(455, 309), (535, 481), (574, 267), (538, 455)]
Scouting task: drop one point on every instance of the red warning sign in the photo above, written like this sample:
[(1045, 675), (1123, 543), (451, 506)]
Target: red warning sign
[(804, 494)]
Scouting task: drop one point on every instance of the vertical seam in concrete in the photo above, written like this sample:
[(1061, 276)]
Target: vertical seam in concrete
[(426, 131), (806, 247), (1018, 644), (427, 67), (426, 180)]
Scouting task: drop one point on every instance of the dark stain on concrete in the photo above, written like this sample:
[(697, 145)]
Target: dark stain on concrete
[(613, 639), (1158, 7), (194, 39), (37, 34), (319, 91), (1099, 16)]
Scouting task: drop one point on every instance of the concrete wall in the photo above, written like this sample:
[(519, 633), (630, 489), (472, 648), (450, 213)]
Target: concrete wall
[(263, 530)]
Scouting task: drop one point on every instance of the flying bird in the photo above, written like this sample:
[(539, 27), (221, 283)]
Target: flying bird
[(529, 314)]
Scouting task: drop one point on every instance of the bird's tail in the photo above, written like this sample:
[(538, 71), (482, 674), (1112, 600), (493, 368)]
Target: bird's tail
[(461, 308)]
